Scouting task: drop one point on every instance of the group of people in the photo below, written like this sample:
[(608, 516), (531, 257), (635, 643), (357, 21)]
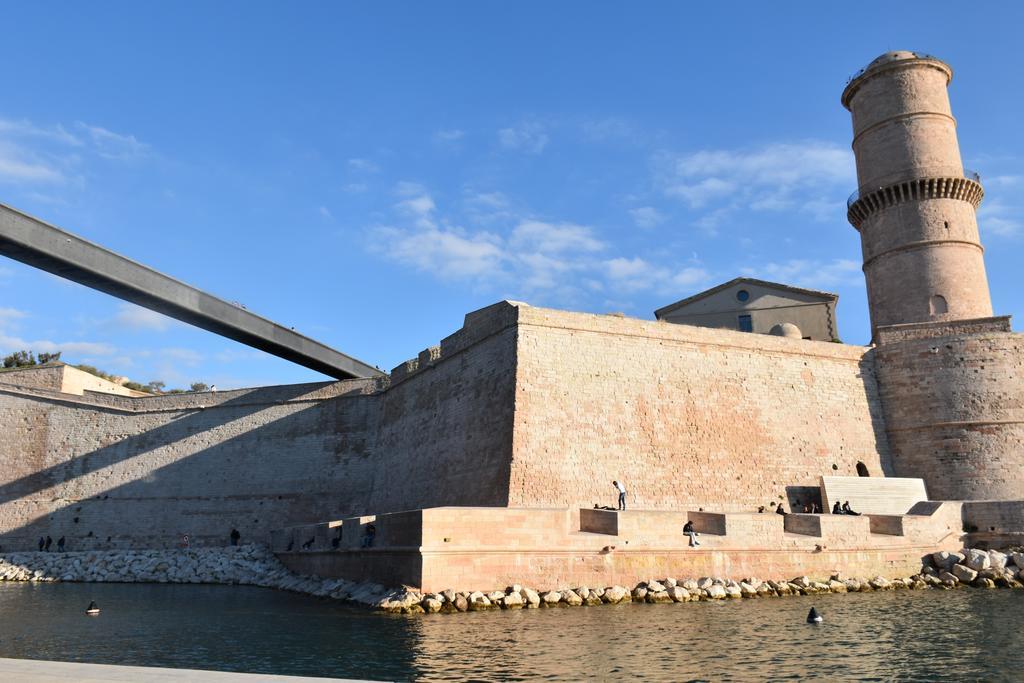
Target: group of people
[(815, 509), (843, 509), (46, 542), (369, 535)]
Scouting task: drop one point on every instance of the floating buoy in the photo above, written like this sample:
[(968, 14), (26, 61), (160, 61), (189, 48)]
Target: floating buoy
[(93, 608), (813, 617)]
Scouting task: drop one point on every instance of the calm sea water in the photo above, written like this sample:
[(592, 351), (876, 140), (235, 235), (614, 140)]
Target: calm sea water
[(910, 636)]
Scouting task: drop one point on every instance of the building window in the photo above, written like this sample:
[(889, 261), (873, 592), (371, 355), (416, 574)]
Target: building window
[(937, 305), (743, 295), (746, 325)]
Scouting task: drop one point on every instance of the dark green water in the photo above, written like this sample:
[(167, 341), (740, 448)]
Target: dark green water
[(906, 635)]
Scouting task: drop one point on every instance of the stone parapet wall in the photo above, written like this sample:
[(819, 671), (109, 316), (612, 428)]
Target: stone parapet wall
[(39, 377), (456, 547)]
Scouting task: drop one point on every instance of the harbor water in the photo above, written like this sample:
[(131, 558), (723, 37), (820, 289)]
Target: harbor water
[(967, 634)]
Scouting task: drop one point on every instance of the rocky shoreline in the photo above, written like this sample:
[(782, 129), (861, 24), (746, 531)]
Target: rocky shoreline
[(255, 565), (249, 565)]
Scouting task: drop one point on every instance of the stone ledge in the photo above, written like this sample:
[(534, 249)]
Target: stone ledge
[(892, 334)]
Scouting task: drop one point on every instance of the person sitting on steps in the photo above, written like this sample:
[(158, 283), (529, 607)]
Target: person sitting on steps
[(837, 510), (369, 535), (847, 510), (688, 530)]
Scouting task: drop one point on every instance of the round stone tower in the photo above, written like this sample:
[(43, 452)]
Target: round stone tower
[(915, 205), (950, 376)]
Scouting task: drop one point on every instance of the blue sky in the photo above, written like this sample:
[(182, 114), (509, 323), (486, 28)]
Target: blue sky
[(370, 172)]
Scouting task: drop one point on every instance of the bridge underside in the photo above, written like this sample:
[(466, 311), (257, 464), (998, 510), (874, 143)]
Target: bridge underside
[(44, 246)]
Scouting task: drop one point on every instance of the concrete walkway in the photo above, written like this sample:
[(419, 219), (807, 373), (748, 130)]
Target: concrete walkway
[(37, 671)]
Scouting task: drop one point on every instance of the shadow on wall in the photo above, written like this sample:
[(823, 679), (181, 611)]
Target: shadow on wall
[(869, 377), (244, 463), (798, 496)]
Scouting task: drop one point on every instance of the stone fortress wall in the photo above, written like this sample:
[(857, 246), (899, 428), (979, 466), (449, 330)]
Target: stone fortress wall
[(522, 407), (111, 471)]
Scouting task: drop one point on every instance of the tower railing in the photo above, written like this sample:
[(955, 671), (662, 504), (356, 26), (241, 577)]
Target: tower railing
[(860, 72), (855, 195)]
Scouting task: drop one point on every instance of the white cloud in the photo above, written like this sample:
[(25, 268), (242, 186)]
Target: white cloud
[(700, 193), (812, 274), (809, 176), (422, 205), (325, 212), (488, 200), (556, 261), (446, 253), (630, 275), (10, 341), (528, 137), (32, 154), (47, 346), (26, 128), (997, 218), (111, 145), (553, 238), (132, 317), (8, 314), (20, 165), (647, 217)]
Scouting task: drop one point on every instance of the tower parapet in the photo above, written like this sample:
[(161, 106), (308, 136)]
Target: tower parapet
[(915, 204)]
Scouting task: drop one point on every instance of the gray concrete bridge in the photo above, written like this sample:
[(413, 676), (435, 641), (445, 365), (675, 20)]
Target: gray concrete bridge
[(36, 243)]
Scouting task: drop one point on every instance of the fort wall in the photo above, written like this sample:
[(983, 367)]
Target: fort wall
[(685, 417), (522, 407), (112, 471)]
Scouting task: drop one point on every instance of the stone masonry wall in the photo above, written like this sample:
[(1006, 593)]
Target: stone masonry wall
[(145, 475), (686, 417), (110, 471), (521, 407), (953, 395), (39, 376)]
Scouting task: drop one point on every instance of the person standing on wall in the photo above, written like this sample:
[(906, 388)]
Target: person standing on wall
[(235, 536), (622, 494)]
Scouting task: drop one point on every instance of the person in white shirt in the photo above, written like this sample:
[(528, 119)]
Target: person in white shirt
[(622, 494)]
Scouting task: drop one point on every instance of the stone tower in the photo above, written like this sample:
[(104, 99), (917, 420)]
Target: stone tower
[(951, 376), (915, 204)]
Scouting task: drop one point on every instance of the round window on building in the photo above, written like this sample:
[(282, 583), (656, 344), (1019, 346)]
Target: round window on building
[(743, 295)]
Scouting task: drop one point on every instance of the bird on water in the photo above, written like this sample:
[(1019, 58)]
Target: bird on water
[(813, 617)]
